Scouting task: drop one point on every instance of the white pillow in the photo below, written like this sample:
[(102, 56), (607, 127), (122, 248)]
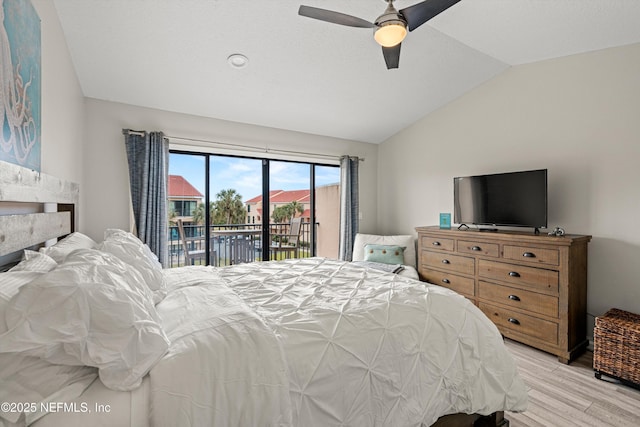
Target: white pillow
[(362, 240), (30, 379), (121, 235), (35, 261), (130, 250), (69, 244), (10, 283), (91, 311)]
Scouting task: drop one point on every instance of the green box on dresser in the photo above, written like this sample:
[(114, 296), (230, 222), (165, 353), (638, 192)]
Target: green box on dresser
[(533, 287)]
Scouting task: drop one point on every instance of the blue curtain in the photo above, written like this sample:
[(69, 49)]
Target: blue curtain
[(349, 205), (148, 156)]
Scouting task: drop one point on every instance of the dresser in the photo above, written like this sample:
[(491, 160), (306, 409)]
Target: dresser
[(533, 287)]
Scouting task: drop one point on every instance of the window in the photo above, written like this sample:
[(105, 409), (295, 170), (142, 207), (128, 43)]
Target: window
[(182, 207), (240, 225)]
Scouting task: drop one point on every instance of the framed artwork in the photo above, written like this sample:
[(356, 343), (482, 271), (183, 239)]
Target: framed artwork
[(445, 221), (20, 84)]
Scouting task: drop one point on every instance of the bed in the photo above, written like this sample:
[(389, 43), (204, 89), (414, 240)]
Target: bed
[(300, 342)]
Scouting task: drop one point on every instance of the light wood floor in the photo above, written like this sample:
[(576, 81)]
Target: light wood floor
[(569, 395)]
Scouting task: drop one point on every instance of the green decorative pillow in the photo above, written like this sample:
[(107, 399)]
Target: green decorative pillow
[(386, 254)]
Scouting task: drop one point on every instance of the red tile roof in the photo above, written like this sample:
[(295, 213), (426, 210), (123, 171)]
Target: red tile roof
[(180, 187), (283, 197), (301, 196), (258, 199)]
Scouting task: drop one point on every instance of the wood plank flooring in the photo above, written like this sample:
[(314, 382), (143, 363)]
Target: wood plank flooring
[(569, 395)]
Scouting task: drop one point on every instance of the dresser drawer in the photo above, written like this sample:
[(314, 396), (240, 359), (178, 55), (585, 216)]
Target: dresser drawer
[(479, 248), (528, 325), (531, 254), (436, 243), (518, 298), (535, 278), (462, 285), (449, 262)]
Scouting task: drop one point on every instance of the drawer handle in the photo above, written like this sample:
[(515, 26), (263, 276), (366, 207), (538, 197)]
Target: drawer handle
[(445, 281), (514, 297), (436, 243), (476, 248), (514, 321), (514, 274), (529, 255), (446, 261)]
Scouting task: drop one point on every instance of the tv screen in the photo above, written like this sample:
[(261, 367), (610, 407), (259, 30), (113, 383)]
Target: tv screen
[(517, 199)]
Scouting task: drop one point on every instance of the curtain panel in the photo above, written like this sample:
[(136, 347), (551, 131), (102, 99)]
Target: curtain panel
[(349, 205), (148, 157)]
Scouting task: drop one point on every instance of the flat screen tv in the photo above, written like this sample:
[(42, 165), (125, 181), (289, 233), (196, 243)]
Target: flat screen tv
[(514, 199)]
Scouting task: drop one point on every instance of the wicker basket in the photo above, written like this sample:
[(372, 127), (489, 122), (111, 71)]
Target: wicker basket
[(616, 346)]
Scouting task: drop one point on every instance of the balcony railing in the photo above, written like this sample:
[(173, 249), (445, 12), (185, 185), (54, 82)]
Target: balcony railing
[(234, 243)]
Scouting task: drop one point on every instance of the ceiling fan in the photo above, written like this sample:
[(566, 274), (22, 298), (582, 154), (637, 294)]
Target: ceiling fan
[(390, 28)]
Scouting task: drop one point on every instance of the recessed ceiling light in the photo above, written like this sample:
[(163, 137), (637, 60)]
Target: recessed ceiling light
[(238, 60)]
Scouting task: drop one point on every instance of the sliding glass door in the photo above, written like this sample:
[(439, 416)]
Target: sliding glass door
[(258, 209), (234, 228), (186, 195), (327, 210)]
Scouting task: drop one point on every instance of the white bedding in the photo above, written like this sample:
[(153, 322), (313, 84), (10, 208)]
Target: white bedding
[(317, 342)]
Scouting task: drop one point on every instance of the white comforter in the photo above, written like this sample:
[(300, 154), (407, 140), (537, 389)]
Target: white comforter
[(316, 342)]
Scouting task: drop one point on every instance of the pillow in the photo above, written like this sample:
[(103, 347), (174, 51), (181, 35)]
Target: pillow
[(125, 236), (30, 379), (385, 254), (130, 250), (91, 310), (67, 245), (35, 261), (406, 241), (10, 283)]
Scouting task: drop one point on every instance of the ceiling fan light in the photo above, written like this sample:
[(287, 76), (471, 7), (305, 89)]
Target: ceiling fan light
[(390, 34)]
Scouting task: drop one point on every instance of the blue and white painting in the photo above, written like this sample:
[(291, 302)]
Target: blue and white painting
[(20, 83)]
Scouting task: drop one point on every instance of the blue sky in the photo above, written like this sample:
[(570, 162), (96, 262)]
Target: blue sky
[(245, 175)]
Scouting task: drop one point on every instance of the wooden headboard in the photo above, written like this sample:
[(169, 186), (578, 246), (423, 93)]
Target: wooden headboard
[(55, 201)]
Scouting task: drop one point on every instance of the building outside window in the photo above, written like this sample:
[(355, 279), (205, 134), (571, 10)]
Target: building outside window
[(182, 198)]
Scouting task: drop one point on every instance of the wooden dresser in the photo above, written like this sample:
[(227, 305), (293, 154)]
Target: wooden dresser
[(533, 287)]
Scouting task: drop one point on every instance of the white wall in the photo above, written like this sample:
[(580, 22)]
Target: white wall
[(62, 104), (579, 117), (106, 201), (62, 100)]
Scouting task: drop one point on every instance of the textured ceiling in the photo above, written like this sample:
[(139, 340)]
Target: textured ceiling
[(311, 76)]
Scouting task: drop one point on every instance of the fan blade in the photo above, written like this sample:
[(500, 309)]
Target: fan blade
[(392, 56), (333, 17), (420, 13)]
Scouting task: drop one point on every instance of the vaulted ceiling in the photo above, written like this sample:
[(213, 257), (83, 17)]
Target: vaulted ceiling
[(312, 76)]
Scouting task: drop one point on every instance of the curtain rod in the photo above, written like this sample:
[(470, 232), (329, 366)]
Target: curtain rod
[(249, 148), (134, 132)]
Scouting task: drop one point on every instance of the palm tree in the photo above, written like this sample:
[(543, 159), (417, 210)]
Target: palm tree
[(280, 214), (287, 212), (229, 208), (295, 206), (198, 213)]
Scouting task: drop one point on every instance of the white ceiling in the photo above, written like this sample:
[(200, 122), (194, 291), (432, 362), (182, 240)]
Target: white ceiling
[(315, 77)]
